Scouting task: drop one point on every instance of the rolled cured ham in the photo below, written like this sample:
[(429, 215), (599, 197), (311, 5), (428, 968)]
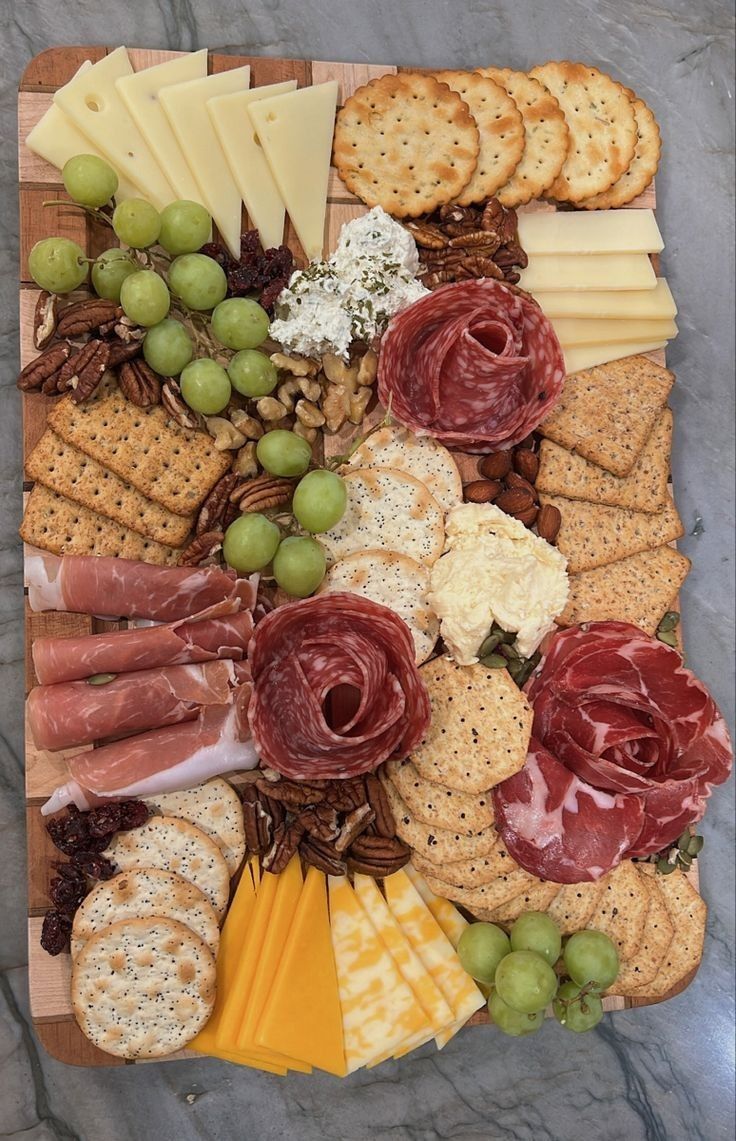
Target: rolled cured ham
[(58, 660), (77, 713), (125, 588), (163, 760)]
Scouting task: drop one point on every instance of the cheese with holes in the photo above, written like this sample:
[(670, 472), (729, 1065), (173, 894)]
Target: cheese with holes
[(186, 110), (451, 922), (591, 331), (140, 93), (248, 164), (295, 131), (588, 271), (379, 1010), (656, 304), (302, 1016), (91, 100), (583, 232), (581, 357)]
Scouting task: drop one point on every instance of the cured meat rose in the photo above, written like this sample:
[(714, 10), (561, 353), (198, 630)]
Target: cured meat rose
[(472, 364), (620, 721), (124, 588), (336, 691)]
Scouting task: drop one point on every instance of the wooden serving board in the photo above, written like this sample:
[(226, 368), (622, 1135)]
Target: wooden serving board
[(49, 977)]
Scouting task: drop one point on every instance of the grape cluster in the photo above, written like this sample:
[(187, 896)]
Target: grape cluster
[(519, 969)]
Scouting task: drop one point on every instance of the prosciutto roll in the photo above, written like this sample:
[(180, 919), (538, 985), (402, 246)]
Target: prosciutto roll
[(124, 588), (77, 713)]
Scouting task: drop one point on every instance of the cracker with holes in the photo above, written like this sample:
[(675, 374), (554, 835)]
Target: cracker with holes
[(687, 914), (407, 143), (436, 845), (431, 803), (602, 126), (501, 132), (642, 168), (622, 909), (640, 972), (474, 870)]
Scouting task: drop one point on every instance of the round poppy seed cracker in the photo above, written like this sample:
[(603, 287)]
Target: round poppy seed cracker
[(464, 812), (474, 871), (602, 126), (546, 136), (143, 988), (642, 167), (421, 456), (215, 808), (437, 845), (406, 143), (501, 130), (175, 846), (145, 893), (484, 896)]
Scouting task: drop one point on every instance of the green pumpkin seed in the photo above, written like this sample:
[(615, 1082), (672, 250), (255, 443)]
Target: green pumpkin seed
[(101, 679), (668, 638), (490, 644), (664, 868), (669, 622), (684, 859), (684, 840), (494, 662), (695, 846)]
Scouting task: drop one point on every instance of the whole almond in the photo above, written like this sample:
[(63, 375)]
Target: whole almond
[(549, 521), (482, 490), (515, 501), (497, 465), (526, 463), (513, 479), (529, 516)]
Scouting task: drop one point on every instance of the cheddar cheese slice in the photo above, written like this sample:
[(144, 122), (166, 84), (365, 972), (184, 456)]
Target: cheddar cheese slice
[(447, 915), (302, 1016)]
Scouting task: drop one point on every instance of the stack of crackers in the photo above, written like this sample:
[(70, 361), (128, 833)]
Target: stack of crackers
[(114, 479), (604, 463)]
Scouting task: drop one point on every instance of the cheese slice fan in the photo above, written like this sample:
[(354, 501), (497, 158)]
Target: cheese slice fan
[(450, 921), (295, 131), (574, 331), (91, 100), (656, 304)]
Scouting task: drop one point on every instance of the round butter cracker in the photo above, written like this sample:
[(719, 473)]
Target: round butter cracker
[(420, 456), (642, 168)]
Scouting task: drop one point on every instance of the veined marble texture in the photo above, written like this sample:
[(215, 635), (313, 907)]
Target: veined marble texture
[(660, 1074)]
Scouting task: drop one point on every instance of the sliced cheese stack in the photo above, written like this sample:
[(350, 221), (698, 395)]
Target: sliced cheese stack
[(593, 276)]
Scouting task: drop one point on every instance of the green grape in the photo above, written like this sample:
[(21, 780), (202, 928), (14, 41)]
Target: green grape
[(320, 500), (167, 347), (481, 948), (283, 453), (574, 1012), (525, 981), (185, 227), (57, 264), (137, 223), (299, 566), (250, 543), (513, 1022), (252, 373), (198, 280), (89, 180), (591, 957), (110, 271), (535, 931), (144, 297), (240, 323), (205, 386)]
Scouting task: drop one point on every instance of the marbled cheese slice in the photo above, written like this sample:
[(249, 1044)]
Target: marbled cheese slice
[(447, 915)]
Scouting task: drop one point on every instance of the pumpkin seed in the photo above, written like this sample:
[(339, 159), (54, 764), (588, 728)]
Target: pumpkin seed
[(684, 840), (695, 845), (101, 679), (668, 638), (684, 859), (494, 662), (669, 622), (664, 868), (490, 644)]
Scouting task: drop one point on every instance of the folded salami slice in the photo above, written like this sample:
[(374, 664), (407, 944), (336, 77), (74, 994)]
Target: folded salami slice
[(77, 713), (473, 364), (124, 588), (336, 691)]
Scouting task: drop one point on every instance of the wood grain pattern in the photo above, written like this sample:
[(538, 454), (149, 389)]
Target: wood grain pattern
[(39, 182)]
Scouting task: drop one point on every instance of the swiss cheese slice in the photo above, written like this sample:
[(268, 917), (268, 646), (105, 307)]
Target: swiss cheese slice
[(592, 331), (140, 93), (379, 1011), (656, 304), (548, 273), (580, 232), (451, 922), (185, 108), (302, 1017), (91, 100), (581, 357), (295, 131), (248, 165)]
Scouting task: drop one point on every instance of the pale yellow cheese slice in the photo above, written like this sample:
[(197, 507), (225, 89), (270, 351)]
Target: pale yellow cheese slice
[(91, 100), (656, 304), (447, 915), (248, 165), (580, 232), (592, 331), (581, 357), (588, 271)]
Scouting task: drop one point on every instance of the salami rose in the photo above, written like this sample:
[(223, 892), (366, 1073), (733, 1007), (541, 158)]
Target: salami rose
[(473, 364), (335, 688)]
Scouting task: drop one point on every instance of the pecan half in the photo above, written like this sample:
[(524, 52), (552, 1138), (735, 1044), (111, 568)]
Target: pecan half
[(321, 822), (257, 821), (217, 512), (121, 351), (484, 238), (202, 551), (322, 856), (291, 793), (45, 318), (427, 236), (263, 492), (86, 316), (44, 368), (378, 856), (353, 825), (286, 840), (376, 794), (177, 409), (345, 795), (139, 384), (84, 372)]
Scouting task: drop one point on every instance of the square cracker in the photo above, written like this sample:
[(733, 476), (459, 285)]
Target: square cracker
[(174, 466), (57, 524), (574, 904), (481, 723), (639, 974), (638, 589), (607, 413), (594, 536), (643, 489), (623, 908), (438, 845), (464, 812), (63, 468), (687, 912)]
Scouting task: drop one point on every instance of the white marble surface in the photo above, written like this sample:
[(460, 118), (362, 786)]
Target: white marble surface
[(645, 1075)]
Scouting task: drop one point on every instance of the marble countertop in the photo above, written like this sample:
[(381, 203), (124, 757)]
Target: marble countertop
[(665, 1072)]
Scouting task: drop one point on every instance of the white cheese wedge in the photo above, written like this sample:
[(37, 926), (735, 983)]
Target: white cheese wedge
[(185, 108), (584, 232), (140, 92), (92, 102), (547, 272), (579, 357), (248, 164), (295, 131), (593, 331), (656, 304)]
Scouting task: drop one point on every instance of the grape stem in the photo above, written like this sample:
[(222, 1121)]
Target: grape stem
[(98, 215), (386, 422), (589, 988)]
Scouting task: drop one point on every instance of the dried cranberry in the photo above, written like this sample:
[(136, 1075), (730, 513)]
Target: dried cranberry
[(66, 893), (103, 821), (271, 292), (133, 814), (94, 865), (217, 253), (55, 932), (69, 832)]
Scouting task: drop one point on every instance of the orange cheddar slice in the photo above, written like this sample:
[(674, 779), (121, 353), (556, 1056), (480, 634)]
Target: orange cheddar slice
[(447, 915), (240, 1059), (302, 1016), (379, 1011), (255, 870)]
